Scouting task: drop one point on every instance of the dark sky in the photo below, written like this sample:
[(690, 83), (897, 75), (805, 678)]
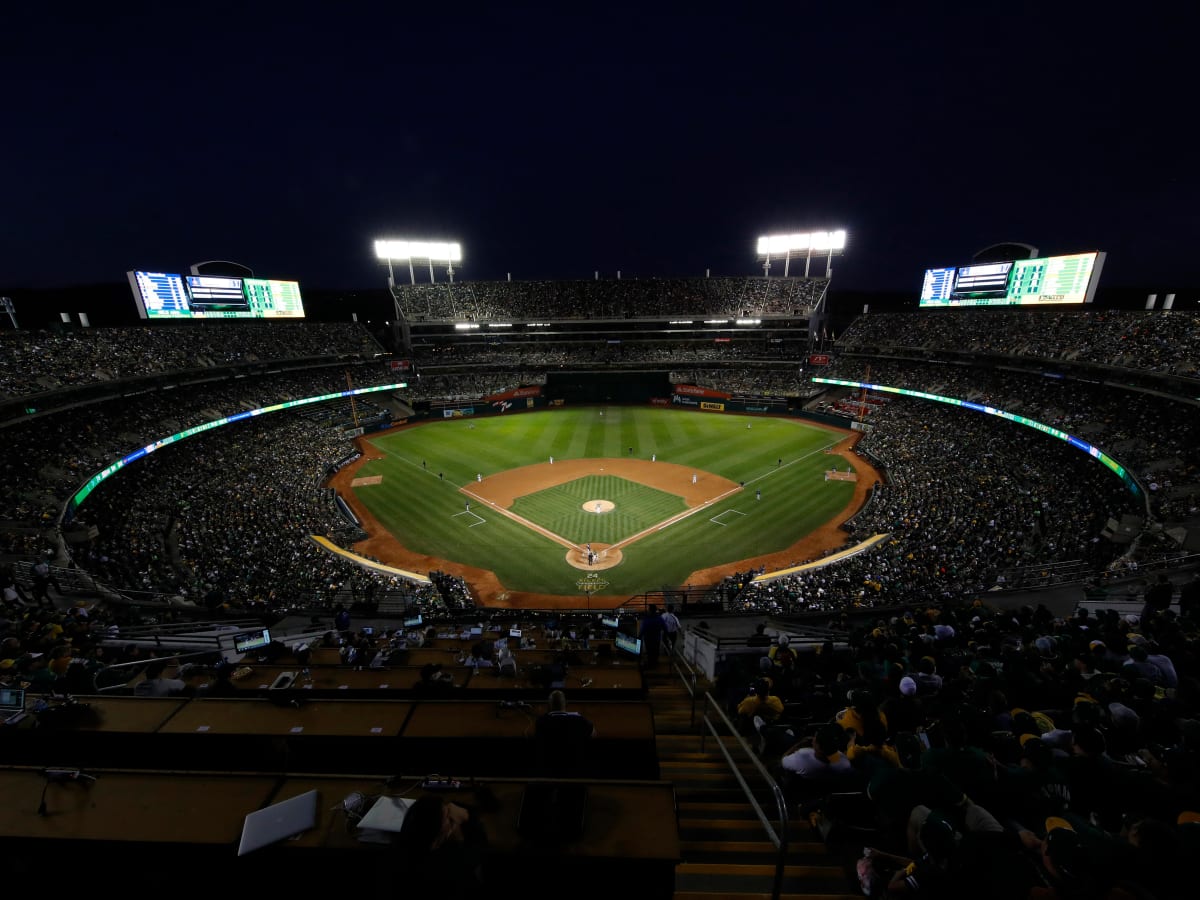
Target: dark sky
[(555, 141)]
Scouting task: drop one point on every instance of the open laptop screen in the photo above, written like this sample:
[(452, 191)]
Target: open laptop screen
[(628, 644), (251, 640)]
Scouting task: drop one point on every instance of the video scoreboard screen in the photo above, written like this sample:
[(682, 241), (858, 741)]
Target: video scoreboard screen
[(1020, 282), (164, 296)]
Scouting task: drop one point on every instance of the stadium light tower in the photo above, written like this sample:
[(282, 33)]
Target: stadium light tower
[(419, 251), (825, 243), (410, 251)]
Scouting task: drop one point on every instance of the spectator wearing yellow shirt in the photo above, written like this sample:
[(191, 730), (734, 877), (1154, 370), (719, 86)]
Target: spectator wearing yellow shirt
[(760, 703)]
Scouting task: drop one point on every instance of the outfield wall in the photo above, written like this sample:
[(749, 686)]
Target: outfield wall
[(607, 387), (624, 388)]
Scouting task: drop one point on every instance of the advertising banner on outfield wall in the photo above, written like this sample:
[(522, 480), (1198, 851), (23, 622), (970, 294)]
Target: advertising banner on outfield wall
[(516, 394), (458, 413), (758, 406), (500, 406), (692, 391)]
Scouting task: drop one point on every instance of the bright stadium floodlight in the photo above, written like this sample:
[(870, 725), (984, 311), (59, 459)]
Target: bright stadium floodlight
[(822, 242), (449, 252)]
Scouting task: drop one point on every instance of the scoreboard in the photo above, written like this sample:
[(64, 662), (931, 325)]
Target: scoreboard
[(1020, 282), (160, 295)]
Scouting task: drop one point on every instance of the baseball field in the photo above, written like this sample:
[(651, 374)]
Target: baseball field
[(627, 498)]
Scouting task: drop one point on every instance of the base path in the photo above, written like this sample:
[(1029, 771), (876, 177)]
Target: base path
[(501, 490), (504, 487)]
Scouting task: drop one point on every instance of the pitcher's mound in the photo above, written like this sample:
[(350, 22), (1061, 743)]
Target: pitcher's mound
[(599, 506)]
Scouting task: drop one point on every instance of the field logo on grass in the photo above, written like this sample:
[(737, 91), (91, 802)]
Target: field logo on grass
[(591, 584)]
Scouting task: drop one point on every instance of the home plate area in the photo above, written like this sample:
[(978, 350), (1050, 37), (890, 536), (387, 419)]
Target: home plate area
[(600, 557)]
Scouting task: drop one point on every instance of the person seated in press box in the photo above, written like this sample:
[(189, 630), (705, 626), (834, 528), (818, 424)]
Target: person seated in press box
[(441, 846), (563, 738)]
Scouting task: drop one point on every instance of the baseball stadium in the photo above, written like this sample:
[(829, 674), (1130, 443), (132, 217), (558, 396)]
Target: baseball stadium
[(779, 561)]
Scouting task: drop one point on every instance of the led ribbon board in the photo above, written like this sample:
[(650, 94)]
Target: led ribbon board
[(1077, 443), (111, 470)]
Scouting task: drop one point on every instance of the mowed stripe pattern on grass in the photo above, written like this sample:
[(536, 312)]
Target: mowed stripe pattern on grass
[(561, 508), (423, 510)]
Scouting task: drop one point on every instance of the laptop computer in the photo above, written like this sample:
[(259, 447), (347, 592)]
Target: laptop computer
[(552, 811), (12, 703), (278, 822)]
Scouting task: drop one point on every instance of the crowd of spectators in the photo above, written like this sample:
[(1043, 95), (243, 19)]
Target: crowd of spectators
[(141, 533), (1156, 438), (32, 362), (225, 521), (749, 382), (1161, 341), (50, 648), (46, 459), (738, 381), (52, 644), (610, 298), (966, 498), (992, 752), (471, 385), (601, 350)]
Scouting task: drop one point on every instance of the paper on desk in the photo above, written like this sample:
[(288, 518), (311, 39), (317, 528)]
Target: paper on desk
[(383, 820)]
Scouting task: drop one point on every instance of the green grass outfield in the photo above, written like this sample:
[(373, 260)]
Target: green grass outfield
[(426, 513)]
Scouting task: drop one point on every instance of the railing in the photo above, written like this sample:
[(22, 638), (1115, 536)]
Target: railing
[(682, 597), (66, 580), (136, 666), (187, 629), (777, 835), (686, 672), (217, 639)]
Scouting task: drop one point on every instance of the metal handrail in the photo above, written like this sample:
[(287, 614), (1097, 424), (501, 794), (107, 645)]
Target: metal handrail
[(686, 672), (777, 837), (188, 629)]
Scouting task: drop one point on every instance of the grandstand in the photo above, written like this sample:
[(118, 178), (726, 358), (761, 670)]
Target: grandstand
[(1006, 579), (997, 358)]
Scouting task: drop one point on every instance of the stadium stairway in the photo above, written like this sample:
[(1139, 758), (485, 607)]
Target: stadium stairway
[(725, 849)]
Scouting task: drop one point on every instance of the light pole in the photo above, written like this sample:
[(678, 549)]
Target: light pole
[(408, 251)]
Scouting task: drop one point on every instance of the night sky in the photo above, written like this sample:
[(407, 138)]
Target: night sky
[(556, 141)]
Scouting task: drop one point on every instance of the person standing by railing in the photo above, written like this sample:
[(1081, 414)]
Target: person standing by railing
[(651, 630), (670, 629)]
